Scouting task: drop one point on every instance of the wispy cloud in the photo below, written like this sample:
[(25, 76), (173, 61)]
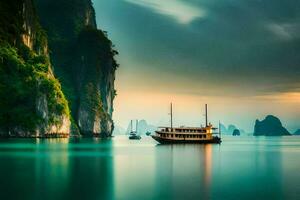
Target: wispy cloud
[(182, 12), (285, 31), (287, 97)]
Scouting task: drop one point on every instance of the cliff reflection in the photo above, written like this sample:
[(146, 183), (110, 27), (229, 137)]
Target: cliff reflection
[(58, 169)]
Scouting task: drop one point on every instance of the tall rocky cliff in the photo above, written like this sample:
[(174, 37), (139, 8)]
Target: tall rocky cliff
[(83, 59), (270, 126), (32, 102)]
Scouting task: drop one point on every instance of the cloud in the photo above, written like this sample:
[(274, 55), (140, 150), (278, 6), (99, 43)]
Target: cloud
[(285, 31), (231, 47), (286, 97), (182, 12)]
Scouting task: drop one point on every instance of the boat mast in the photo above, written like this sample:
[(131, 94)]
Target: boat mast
[(136, 126), (220, 128), (130, 126), (171, 117), (206, 115)]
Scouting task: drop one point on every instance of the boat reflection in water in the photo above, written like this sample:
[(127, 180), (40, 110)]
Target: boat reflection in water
[(187, 177), (170, 135)]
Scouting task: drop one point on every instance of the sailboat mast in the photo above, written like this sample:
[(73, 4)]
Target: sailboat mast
[(171, 117), (220, 128), (206, 115), (136, 126)]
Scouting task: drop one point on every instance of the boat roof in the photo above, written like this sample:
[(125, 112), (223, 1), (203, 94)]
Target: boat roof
[(189, 128)]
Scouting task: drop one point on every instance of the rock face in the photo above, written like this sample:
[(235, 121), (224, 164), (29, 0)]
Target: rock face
[(32, 102), (83, 59), (270, 126), (236, 132), (143, 127), (297, 132)]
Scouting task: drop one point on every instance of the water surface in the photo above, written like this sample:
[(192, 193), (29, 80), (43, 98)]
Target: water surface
[(239, 168)]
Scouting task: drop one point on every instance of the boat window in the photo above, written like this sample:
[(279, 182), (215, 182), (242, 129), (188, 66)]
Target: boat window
[(204, 136)]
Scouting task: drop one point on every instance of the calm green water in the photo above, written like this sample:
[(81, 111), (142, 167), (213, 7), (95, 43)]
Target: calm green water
[(239, 168)]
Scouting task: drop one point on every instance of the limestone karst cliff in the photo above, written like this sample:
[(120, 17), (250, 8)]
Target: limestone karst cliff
[(83, 59), (52, 58), (32, 102), (270, 126)]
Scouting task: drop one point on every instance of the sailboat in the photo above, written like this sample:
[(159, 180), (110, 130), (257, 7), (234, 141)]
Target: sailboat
[(134, 134), (170, 135)]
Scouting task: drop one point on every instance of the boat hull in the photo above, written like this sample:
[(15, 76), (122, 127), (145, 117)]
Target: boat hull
[(134, 137), (214, 140)]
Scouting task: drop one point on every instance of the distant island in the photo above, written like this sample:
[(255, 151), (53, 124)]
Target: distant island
[(297, 132), (143, 127), (231, 130), (118, 130), (236, 132), (270, 126)]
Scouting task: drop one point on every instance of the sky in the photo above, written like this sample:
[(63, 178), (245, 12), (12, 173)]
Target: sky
[(241, 57)]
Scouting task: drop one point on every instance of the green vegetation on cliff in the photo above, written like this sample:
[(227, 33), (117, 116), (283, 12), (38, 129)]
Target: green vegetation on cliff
[(23, 79), (81, 56), (31, 98), (83, 59)]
